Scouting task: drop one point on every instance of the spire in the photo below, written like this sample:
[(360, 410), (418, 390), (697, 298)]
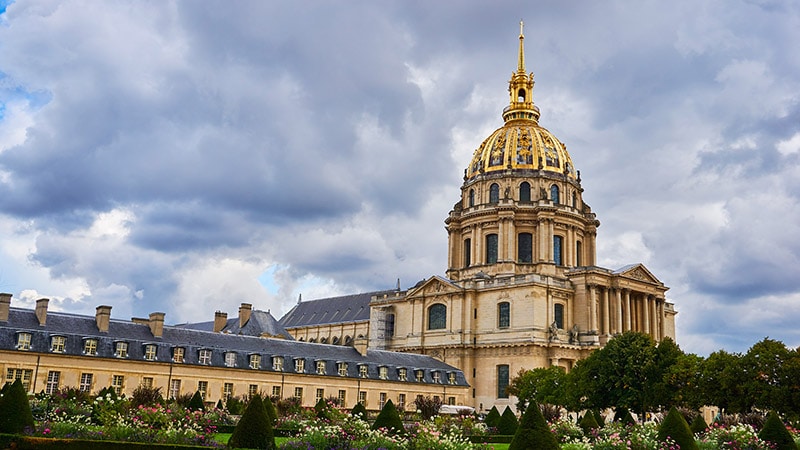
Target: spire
[(521, 60)]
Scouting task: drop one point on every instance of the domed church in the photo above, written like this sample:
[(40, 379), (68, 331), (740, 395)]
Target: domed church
[(522, 288)]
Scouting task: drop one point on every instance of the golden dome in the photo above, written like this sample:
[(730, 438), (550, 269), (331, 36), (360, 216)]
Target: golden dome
[(521, 144)]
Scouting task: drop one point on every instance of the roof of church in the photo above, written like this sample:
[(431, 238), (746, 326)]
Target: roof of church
[(347, 308), (261, 323)]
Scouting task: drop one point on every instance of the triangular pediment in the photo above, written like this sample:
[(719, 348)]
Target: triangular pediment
[(637, 272), (434, 285)]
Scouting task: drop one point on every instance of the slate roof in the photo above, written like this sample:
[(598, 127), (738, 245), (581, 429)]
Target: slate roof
[(344, 309), (76, 329), (260, 323)]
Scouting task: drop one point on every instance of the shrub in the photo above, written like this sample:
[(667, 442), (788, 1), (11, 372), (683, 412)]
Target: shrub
[(775, 431), (675, 427), (235, 405), (493, 418), (15, 409), (287, 406), (322, 409), (389, 419), (699, 425), (508, 422), (550, 412), (601, 421), (428, 406), (147, 396), (629, 420), (533, 432), (196, 403), (359, 411), (271, 412), (588, 423), (254, 429)]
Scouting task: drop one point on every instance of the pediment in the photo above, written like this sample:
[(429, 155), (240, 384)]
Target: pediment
[(637, 272), (434, 285)]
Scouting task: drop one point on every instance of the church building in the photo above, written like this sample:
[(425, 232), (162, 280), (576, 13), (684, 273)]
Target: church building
[(522, 288)]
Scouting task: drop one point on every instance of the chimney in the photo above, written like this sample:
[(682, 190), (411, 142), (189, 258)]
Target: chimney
[(157, 324), (220, 320), (244, 314), (140, 321), (103, 317), (41, 310), (5, 304)]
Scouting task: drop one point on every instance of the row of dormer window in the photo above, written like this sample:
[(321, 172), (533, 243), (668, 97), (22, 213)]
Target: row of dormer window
[(58, 345)]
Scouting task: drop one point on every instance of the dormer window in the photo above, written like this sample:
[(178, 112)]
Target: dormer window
[(150, 352), (402, 374), (437, 377), (341, 368), (277, 363), (121, 350), (420, 375), (204, 357), (383, 372), (299, 365), (90, 347), (320, 367), (23, 341), (57, 344), (255, 361), (178, 354), (451, 378), (363, 371), (230, 359)]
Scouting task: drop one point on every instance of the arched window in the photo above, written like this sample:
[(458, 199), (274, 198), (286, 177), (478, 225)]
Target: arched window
[(323, 340), (491, 248), (521, 95), (558, 315), (503, 315), (558, 242), (389, 325), (525, 192), (525, 247), (471, 198), (437, 317), (554, 194), (578, 254), (467, 252), (494, 193), (335, 340)]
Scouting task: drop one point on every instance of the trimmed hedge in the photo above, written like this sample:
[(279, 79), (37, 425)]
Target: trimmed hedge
[(533, 432), (775, 432), (508, 422), (36, 443), (15, 409), (699, 425), (493, 418), (389, 419), (254, 429), (674, 426)]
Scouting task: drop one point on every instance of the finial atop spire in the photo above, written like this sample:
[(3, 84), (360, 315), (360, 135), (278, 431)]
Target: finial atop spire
[(521, 62)]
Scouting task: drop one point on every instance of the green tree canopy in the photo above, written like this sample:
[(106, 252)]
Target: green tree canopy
[(544, 385)]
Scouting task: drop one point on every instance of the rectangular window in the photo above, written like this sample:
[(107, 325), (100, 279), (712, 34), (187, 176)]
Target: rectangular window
[(90, 347), (420, 375), (467, 252), (491, 249), (437, 376), (147, 382), (401, 401), (298, 392), (525, 247), (402, 374), (174, 388), (363, 371), (451, 400), (502, 381), (341, 368), (230, 359), (451, 378), (342, 397), (558, 315), (204, 357), (86, 382), (383, 372), (503, 315), (53, 378), (58, 343), (276, 391), (150, 352), (277, 363), (299, 365), (202, 388), (321, 367), (24, 375), (23, 341), (255, 361), (252, 390), (177, 354), (121, 350), (118, 383), (362, 397), (382, 401), (557, 244), (320, 394), (389, 325), (227, 391)]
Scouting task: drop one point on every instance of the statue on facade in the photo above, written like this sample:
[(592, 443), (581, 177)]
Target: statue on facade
[(553, 331), (573, 334)]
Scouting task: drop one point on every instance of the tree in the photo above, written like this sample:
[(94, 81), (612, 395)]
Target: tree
[(493, 418), (588, 423), (542, 385), (254, 429), (775, 432), (675, 427), (699, 425), (196, 403), (428, 406), (508, 424), (762, 367), (389, 419), (15, 409), (662, 389), (533, 432), (720, 381)]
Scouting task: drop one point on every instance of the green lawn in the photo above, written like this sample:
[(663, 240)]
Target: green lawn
[(222, 438)]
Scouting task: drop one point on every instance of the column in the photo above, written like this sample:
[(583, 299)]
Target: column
[(617, 311), (646, 312), (606, 312), (627, 310), (592, 308), (512, 241)]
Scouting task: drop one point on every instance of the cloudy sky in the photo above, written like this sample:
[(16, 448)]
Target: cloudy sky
[(189, 156)]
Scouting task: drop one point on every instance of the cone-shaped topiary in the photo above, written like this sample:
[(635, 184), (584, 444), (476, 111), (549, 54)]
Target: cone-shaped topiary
[(219, 405), (15, 410), (629, 420), (272, 413), (533, 432), (508, 423), (674, 426), (620, 413), (321, 409), (699, 425), (493, 418), (196, 403), (254, 429), (601, 422), (359, 411), (775, 432), (588, 423), (389, 419)]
